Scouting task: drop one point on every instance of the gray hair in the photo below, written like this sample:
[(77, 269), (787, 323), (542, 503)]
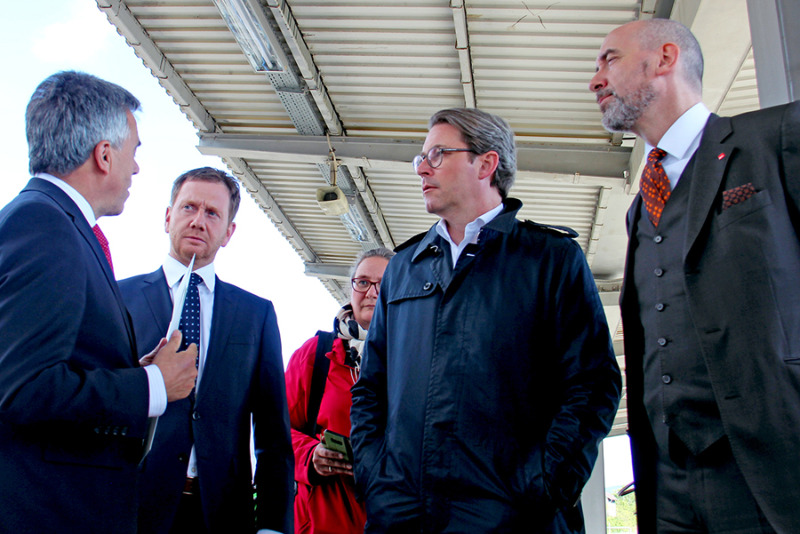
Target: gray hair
[(210, 174), (484, 132), (68, 114), (657, 32), (379, 252)]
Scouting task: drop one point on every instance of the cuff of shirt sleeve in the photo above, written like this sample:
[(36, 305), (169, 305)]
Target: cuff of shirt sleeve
[(158, 391)]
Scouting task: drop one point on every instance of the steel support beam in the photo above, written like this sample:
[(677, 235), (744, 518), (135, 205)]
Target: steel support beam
[(328, 270), (305, 63), (776, 49), (584, 160), (464, 54)]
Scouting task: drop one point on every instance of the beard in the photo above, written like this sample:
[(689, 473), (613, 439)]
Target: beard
[(623, 112)]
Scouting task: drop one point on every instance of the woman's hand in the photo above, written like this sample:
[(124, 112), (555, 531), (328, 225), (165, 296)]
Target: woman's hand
[(327, 462)]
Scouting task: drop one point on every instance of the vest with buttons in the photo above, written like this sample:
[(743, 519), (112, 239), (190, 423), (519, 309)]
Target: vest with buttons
[(677, 388)]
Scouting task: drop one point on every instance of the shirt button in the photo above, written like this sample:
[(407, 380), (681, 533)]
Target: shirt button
[(660, 307), (658, 239), (196, 415), (666, 379), (427, 286), (658, 272), (662, 341)]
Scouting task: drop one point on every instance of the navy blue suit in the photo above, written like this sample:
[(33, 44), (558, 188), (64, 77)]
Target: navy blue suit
[(73, 399), (243, 375)]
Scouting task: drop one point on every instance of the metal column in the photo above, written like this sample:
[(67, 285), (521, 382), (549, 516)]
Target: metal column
[(593, 498), (776, 49)]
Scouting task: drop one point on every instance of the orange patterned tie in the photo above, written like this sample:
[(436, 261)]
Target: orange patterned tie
[(654, 185)]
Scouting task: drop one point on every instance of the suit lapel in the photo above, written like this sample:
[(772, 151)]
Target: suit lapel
[(85, 230), (631, 220), (156, 293), (222, 321), (711, 163)]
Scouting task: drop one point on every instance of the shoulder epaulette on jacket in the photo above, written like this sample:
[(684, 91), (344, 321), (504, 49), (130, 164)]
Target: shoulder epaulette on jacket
[(416, 239), (564, 231)]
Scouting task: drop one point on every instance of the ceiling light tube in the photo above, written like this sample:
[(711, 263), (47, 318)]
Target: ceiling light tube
[(252, 31)]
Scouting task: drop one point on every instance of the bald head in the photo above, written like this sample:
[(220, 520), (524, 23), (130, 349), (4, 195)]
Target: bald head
[(655, 33)]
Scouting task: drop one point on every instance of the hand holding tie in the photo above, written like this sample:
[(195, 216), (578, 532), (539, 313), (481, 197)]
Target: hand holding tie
[(177, 368)]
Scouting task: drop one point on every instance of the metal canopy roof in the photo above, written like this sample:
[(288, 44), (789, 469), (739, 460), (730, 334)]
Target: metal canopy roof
[(363, 77)]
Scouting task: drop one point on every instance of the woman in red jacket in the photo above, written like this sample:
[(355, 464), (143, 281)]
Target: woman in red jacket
[(325, 500)]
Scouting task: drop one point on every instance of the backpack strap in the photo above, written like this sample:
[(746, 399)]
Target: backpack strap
[(318, 378)]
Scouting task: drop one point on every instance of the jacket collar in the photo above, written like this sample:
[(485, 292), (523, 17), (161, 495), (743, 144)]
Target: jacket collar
[(504, 223), (82, 225)]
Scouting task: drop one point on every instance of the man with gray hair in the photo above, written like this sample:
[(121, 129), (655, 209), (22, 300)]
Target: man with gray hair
[(488, 378), (711, 292), (74, 404)]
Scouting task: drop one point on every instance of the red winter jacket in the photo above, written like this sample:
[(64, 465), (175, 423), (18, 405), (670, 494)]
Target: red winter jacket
[(322, 504)]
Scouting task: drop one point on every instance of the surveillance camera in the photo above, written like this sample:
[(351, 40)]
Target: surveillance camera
[(332, 201)]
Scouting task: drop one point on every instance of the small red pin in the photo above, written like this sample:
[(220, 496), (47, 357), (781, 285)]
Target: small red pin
[(721, 155)]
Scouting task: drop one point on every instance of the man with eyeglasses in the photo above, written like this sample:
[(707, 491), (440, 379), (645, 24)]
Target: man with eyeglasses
[(488, 377)]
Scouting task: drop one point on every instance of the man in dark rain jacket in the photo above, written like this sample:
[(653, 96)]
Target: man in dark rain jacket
[(488, 378)]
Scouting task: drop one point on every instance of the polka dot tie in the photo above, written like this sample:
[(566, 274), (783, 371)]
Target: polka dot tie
[(190, 315), (654, 185), (101, 238)]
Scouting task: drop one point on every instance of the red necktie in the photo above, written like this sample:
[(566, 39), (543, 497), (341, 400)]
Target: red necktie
[(654, 185), (103, 244)]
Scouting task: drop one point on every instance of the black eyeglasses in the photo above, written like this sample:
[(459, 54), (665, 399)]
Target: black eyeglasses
[(362, 285), (435, 156)]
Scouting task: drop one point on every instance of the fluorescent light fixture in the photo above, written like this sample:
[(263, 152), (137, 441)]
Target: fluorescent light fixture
[(355, 226), (251, 30)]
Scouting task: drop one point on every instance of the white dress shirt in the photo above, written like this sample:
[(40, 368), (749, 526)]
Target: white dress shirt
[(681, 140), (471, 232), (174, 271)]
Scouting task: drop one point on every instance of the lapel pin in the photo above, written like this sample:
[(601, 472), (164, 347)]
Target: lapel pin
[(721, 155)]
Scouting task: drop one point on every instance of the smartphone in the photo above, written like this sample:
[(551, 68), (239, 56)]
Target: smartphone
[(339, 443)]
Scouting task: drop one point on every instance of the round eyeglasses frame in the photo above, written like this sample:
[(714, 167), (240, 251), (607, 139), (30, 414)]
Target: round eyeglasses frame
[(358, 285), (435, 156)]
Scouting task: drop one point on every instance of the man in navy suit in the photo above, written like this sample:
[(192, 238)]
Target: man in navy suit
[(198, 477), (711, 298), (74, 403)]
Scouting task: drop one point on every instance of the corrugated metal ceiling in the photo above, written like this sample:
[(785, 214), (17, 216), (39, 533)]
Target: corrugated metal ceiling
[(370, 74)]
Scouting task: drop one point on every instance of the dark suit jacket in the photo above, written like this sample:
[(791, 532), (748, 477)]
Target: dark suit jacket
[(243, 375), (73, 400), (742, 279)]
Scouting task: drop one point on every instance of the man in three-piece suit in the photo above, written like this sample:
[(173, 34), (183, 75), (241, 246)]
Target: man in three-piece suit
[(711, 298), (198, 476), (74, 403)]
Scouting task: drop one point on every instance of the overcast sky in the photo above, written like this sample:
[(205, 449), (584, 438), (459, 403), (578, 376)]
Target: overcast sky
[(46, 36)]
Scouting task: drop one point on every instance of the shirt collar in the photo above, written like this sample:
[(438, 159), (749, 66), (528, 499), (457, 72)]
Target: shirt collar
[(680, 137), (472, 229), (174, 271), (72, 193)]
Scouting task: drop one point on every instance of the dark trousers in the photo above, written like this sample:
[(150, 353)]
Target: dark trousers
[(704, 493)]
